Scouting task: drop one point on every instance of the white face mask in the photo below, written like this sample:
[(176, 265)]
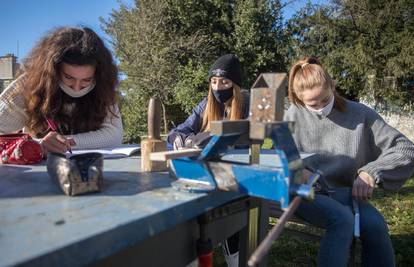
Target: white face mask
[(70, 92), (326, 110)]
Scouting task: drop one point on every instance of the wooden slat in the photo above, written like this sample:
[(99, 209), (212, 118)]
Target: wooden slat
[(228, 127), (166, 155), (261, 130)]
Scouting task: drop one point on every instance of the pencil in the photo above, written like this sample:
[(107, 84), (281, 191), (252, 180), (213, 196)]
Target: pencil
[(52, 126)]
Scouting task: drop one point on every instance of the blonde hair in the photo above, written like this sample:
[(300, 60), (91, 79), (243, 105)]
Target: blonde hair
[(308, 73), (234, 108)]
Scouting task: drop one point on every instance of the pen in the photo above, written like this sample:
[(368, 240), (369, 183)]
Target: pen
[(53, 127), (356, 218)]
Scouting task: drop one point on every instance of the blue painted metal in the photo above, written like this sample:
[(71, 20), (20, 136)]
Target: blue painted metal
[(263, 182), (218, 145), (192, 169), (272, 183), (283, 141)]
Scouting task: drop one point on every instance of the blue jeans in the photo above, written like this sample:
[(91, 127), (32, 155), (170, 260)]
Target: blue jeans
[(334, 213)]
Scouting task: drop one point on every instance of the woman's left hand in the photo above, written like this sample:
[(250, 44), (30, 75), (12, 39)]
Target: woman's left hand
[(363, 186)]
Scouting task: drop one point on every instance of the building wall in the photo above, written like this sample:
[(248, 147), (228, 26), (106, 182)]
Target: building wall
[(8, 70), (401, 118), (8, 67)]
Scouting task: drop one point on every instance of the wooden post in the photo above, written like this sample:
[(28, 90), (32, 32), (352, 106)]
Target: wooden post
[(267, 98), (254, 154), (153, 143), (266, 105)]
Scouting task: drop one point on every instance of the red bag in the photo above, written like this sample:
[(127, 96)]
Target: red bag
[(19, 149)]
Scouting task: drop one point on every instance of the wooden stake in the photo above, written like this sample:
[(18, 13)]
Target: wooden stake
[(153, 143)]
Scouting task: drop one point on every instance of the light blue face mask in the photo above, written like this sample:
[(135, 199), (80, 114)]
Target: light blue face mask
[(326, 110), (76, 94)]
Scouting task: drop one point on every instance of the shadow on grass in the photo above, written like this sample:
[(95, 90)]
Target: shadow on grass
[(292, 251), (404, 249), (403, 192), (287, 251)]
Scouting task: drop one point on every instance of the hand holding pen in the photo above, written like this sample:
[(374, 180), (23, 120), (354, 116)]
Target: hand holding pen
[(54, 141)]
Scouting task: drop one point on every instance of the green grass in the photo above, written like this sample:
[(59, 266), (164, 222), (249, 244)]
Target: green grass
[(398, 210)]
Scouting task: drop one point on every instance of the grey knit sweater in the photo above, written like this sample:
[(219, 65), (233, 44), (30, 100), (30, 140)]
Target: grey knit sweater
[(349, 142)]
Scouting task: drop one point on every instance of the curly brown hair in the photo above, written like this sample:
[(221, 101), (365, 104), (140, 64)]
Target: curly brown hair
[(74, 46)]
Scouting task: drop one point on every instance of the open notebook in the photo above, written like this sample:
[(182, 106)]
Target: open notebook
[(112, 152)]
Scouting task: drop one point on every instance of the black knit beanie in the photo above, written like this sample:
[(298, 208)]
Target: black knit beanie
[(227, 66)]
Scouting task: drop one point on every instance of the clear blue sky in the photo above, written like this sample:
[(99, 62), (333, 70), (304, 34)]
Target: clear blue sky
[(24, 22)]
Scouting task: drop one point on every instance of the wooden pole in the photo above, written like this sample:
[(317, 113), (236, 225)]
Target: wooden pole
[(153, 143)]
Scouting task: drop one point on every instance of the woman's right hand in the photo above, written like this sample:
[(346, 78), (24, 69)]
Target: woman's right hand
[(178, 142), (54, 142), (363, 186)]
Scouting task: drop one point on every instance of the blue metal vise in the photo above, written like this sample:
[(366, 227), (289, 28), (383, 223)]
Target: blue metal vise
[(284, 183), (208, 171)]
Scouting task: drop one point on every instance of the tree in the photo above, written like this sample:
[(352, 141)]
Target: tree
[(258, 37), (165, 48), (360, 41), (149, 51)]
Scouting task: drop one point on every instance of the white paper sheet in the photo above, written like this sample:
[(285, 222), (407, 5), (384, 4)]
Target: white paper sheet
[(112, 152)]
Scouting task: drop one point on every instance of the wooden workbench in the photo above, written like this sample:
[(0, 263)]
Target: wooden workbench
[(138, 219)]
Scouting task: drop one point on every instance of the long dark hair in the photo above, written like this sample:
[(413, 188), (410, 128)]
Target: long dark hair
[(75, 46)]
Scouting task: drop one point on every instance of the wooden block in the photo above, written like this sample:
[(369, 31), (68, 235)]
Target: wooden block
[(261, 130), (268, 97), (166, 155), (254, 154), (148, 146), (229, 127)]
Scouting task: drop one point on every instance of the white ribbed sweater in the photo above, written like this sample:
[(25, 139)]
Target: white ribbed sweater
[(349, 142), (13, 117)]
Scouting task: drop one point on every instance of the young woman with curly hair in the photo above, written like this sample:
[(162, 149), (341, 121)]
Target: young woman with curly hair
[(69, 77)]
